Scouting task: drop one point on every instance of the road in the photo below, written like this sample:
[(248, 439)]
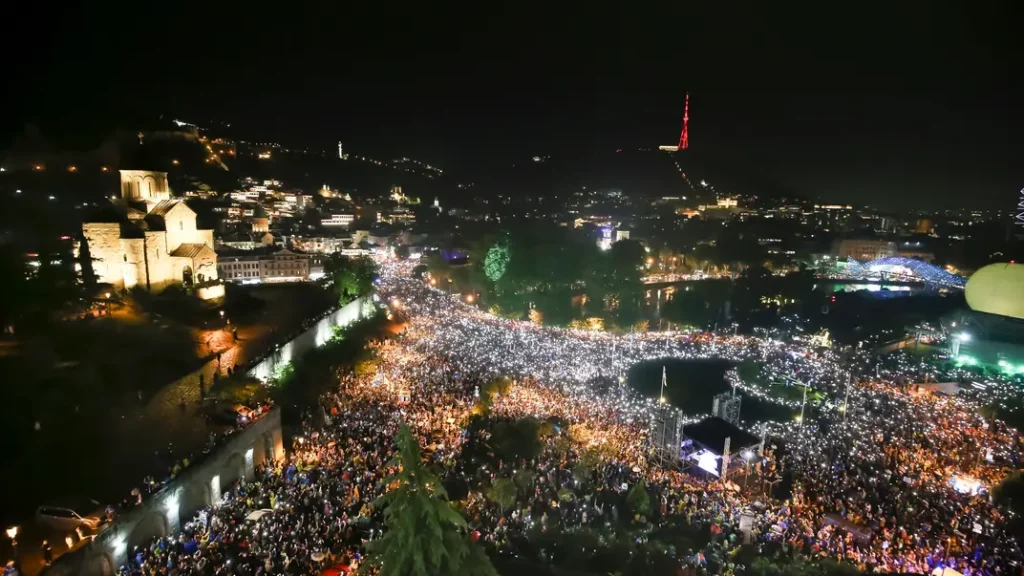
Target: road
[(137, 436)]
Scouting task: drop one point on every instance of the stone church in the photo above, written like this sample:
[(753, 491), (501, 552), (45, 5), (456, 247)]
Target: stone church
[(148, 239)]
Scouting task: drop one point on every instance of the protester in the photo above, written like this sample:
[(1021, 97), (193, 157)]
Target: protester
[(881, 477)]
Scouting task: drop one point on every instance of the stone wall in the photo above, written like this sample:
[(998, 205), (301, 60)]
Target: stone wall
[(104, 242), (180, 223), (134, 263), (202, 483), (161, 270), (205, 265), (210, 291), (314, 337), (198, 486), (204, 237), (144, 185)]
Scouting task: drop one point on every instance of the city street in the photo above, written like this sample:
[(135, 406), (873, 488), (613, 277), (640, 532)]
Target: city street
[(149, 435)]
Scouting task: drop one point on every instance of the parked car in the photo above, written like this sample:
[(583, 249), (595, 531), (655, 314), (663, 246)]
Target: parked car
[(230, 414), (66, 518)]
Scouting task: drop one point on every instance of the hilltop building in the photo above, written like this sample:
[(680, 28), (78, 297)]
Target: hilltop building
[(148, 239)]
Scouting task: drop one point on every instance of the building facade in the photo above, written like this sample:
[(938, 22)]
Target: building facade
[(148, 239), (281, 266), (321, 244), (239, 269), (864, 250), (284, 266), (340, 220)]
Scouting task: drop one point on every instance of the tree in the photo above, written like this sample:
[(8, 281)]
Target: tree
[(585, 466), (502, 492), (14, 271), (438, 266), (524, 478), (517, 439), (638, 498), (353, 277), (425, 536), (536, 316), (496, 261), (1010, 493)]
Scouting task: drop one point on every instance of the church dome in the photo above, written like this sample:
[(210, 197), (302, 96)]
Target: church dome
[(997, 289)]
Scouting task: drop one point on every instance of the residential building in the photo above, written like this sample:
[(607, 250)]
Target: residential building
[(321, 244), (239, 269), (338, 220), (281, 266), (864, 249), (246, 241), (284, 266)]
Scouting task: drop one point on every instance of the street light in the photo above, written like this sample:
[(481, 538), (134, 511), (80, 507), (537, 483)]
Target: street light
[(12, 533), (747, 457)]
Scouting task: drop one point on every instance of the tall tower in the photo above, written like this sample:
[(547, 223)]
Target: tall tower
[(341, 154), (684, 137)]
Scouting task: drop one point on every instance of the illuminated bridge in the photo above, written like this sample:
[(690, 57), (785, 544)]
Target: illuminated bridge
[(904, 269)]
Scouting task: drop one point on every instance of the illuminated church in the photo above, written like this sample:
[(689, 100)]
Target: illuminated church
[(149, 240)]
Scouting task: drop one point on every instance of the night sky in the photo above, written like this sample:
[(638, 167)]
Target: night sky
[(895, 107)]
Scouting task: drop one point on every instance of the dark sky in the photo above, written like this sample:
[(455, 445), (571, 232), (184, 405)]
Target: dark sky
[(916, 105)]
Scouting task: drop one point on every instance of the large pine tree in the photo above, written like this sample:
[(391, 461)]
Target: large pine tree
[(425, 536)]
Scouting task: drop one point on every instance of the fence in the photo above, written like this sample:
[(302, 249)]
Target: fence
[(313, 337)]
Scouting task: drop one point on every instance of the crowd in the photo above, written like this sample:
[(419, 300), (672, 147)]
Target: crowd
[(876, 475)]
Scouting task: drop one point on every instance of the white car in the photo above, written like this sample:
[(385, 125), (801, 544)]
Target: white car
[(67, 518)]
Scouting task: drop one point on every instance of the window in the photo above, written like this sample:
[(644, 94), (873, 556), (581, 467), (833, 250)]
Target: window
[(181, 224)]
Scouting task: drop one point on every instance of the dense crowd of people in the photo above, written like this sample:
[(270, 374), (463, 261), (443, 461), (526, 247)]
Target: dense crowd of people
[(879, 476)]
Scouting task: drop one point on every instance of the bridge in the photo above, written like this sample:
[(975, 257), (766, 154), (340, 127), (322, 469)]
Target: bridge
[(904, 269)]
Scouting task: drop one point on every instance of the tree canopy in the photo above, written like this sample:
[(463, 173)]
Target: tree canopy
[(353, 277), (496, 261), (559, 273), (425, 536)]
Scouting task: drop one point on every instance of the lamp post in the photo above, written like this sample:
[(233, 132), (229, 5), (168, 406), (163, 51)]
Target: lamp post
[(747, 456), (803, 403), (12, 533), (661, 398), (846, 401)]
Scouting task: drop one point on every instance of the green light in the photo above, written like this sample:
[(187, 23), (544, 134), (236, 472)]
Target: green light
[(965, 359), (496, 261)]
